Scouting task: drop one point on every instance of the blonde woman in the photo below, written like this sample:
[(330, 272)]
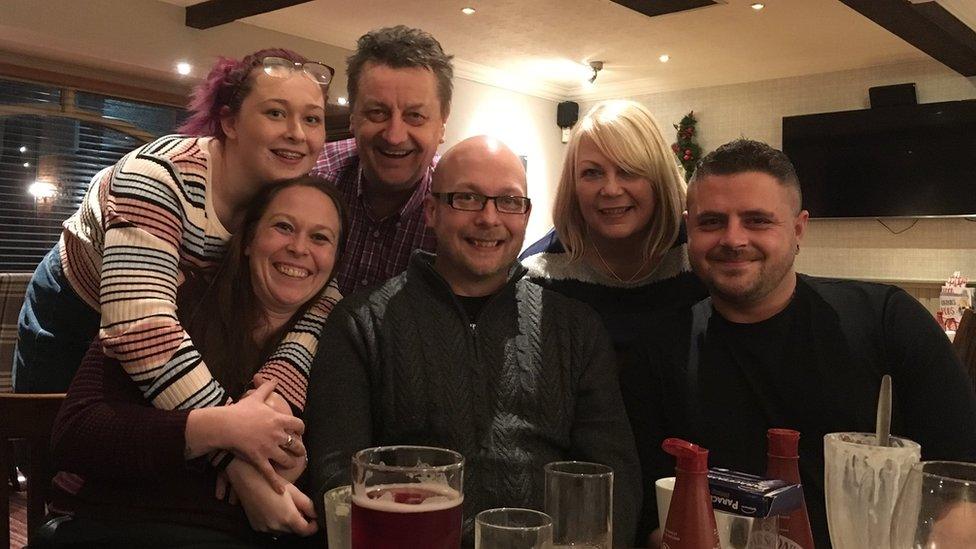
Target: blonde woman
[(619, 241)]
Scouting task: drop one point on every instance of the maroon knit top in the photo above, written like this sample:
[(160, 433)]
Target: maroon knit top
[(122, 459)]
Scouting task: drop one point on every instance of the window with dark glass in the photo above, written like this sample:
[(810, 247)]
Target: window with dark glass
[(53, 140)]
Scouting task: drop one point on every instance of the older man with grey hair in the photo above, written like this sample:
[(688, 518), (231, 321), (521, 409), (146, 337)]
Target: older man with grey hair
[(400, 87)]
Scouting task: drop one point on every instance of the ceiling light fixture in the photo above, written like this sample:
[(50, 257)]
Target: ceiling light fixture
[(468, 11), (184, 68), (596, 67), (42, 190), (664, 58), (342, 101), (757, 6), (23, 148)]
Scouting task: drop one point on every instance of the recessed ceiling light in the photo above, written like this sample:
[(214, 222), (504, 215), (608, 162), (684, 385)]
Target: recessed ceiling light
[(467, 11), (665, 58), (342, 100), (183, 68), (27, 164), (757, 6), (23, 148)]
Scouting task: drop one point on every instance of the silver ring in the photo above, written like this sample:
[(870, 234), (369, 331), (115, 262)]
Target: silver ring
[(288, 442)]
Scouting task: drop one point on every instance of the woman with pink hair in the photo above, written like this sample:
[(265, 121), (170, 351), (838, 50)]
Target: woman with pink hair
[(168, 207)]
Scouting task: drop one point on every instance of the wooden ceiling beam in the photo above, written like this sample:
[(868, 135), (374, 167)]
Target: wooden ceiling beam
[(211, 13), (945, 20), (653, 8), (927, 26)]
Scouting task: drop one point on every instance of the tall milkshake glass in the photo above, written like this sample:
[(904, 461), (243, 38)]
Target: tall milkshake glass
[(862, 481)]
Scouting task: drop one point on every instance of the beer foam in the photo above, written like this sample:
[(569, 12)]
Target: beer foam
[(445, 498)]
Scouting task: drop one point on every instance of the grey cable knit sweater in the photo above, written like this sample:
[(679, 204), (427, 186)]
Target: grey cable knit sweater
[(532, 382)]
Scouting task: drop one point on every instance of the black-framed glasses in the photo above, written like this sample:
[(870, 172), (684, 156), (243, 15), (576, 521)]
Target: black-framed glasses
[(474, 202), (279, 67)]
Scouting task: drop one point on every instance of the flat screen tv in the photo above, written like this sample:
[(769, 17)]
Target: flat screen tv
[(899, 161)]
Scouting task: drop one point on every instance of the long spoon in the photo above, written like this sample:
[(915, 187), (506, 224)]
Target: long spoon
[(883, 424)]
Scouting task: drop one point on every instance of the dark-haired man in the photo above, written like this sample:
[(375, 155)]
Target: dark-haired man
[(773, 348), (400, 87), (460, 351)]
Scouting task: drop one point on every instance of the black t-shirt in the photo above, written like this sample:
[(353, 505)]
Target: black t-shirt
[(758, 376), (737, 362), (473, 305)]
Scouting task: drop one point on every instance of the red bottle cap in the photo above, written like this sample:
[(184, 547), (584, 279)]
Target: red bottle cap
[(692, 458), (783, 443)]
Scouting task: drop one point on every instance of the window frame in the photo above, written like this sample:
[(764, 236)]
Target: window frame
[(69, 85)]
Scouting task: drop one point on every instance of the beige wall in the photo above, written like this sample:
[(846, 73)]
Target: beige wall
[(864, 249)]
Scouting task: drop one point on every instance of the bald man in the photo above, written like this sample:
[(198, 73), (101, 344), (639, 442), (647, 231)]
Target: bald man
[(460, 352)]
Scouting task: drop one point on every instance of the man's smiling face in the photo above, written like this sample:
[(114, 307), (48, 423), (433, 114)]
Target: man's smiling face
[(743, 232), (398, 122), (476, 249)]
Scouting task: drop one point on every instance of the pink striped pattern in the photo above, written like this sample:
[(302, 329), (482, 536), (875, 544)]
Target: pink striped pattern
[(142, 222)]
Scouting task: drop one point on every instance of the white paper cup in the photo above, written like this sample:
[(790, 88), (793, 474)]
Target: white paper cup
[(733, 530), (663, 489)]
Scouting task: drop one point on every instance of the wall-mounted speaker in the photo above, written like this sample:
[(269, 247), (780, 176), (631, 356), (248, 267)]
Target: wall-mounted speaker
[(567, 113), (892, 96)]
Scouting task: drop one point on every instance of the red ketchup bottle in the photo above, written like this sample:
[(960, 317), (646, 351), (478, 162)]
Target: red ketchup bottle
[(782, 464), (691, 520)]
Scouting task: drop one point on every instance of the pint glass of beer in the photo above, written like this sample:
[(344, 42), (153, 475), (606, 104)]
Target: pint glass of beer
[(407, 497)]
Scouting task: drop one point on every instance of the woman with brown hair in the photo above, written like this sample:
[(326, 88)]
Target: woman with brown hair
[(133, 474)]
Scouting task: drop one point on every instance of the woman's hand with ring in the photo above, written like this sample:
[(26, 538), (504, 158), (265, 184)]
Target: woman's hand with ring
[(299, 460), (256, 432)]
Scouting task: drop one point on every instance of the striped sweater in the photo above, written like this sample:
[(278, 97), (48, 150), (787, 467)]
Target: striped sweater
[(142, 222)]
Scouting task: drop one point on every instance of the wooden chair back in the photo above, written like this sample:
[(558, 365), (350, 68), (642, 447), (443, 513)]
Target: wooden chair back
[(29, 417)]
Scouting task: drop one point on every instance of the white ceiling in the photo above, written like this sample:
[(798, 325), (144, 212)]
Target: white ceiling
[(534, 45)]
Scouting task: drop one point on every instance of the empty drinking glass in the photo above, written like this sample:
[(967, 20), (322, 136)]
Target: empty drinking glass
[(509, 528), (937, 507), (579, 498), (338, 502)]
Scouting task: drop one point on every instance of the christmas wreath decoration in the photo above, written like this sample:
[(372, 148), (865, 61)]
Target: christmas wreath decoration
[(686, 149)]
